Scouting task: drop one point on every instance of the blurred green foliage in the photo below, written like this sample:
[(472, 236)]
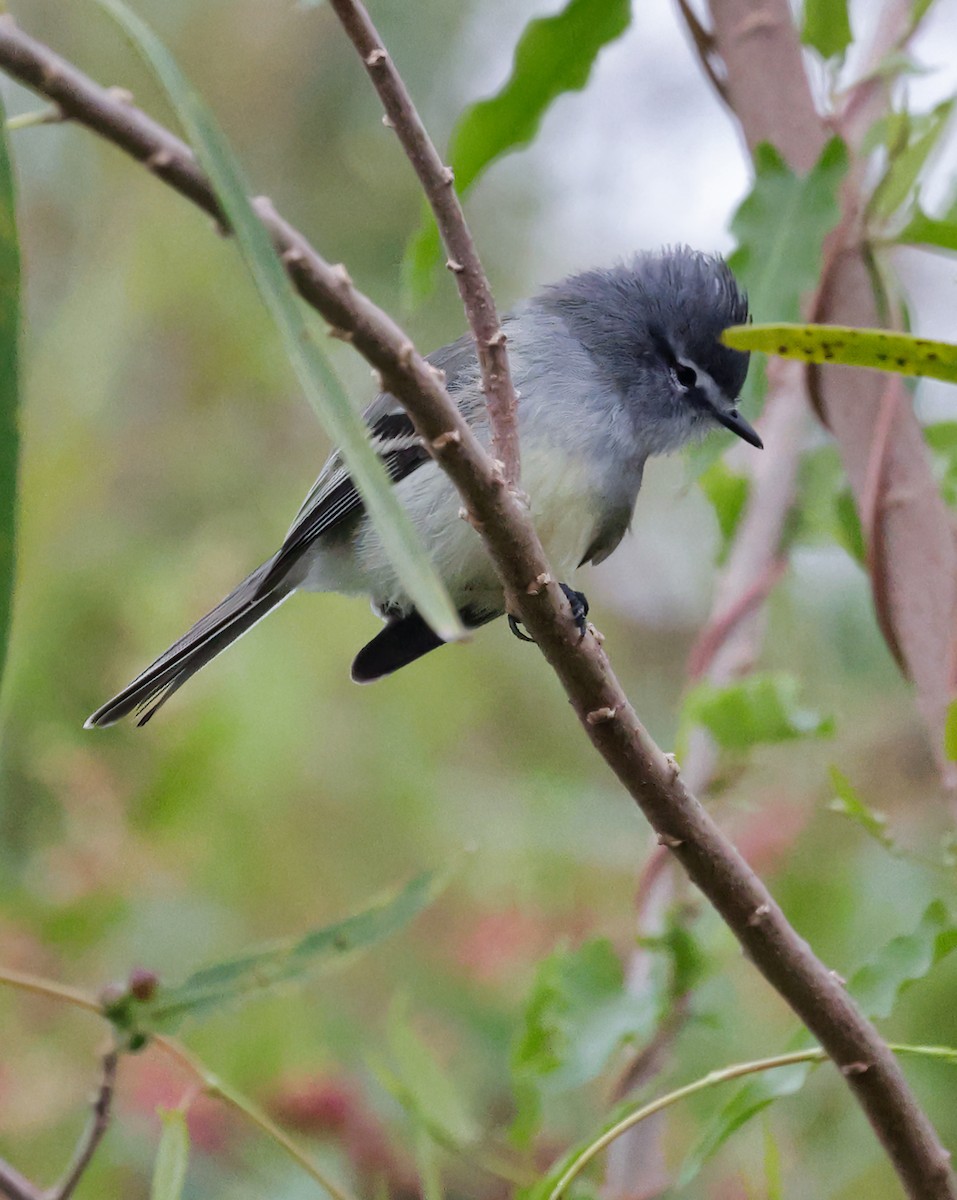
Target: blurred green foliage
[(9, 386), (164, 449)]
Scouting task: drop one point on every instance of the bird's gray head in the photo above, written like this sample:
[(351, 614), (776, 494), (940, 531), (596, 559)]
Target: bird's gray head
[(652, 325)]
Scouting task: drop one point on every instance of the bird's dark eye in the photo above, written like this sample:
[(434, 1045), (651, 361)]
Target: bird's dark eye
[(685, 375)]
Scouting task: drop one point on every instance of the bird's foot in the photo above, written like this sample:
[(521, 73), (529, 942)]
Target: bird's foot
[(516, 628), (579, 606)]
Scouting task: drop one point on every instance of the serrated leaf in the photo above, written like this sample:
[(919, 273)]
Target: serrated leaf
[(760, 708), (826, 27), (877, 986), (848, 803), (950, 732), (728, 493), (431, 1095), (554, 55), (578, 1014), (9, 385), (316, 376), (172, 1156), (780, 228), (283, 962), (840, 345)]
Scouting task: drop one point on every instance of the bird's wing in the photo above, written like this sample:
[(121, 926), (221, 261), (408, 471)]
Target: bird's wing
[(333, 497)]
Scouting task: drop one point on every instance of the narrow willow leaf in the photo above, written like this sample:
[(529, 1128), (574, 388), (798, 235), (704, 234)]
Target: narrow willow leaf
[(172, 1157), (937, 233), (941, 439), (877, 986), (908, 161), (433, 1096), (554, 55), (318, 380), (567, 1170), (950, 732), (761, 708), (287, 961), (9, 386), (839, 345), (848, 803), (826, 27), (772, 1164)]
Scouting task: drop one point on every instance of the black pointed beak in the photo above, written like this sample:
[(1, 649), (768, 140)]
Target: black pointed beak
[(737, 424)]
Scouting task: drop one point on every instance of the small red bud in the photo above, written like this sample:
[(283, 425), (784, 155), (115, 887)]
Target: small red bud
[(143, 983)]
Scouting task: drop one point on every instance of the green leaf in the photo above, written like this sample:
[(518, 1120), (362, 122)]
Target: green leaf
[(9, 386), (319, 382), (760, 708), (939, 233), (827, 512), (826, 27), (743, 1106), (286, 961), (919, 10), (578, 1014), (728, 493), (424, 1089), (877, 986), (773, 1188), (780, 227), (554, 55), (849, 804), (906, 161), (848, 530), (791, 1068), (169, 1170), (840, 345), (950, 732), (941, 440)]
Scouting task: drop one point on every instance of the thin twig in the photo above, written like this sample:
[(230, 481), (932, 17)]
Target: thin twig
[(93, 1134), (703, 41), (15, 1186), (438, 183), (650, 776)]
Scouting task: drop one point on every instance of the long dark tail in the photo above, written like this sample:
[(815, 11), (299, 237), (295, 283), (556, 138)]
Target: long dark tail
[(229, 620)]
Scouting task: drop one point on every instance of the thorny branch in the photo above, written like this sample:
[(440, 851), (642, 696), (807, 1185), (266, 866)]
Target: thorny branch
[(650, 776)]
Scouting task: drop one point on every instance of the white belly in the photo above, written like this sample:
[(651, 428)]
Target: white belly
[(561, 507)]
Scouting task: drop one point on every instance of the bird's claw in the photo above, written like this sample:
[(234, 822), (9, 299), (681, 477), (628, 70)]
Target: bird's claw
[(514, 625), (578, 604)]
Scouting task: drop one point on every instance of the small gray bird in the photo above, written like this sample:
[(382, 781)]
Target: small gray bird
[(611, 367)]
